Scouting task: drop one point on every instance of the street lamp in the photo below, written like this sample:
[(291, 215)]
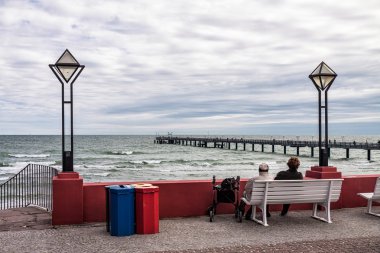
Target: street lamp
[(67, 69), (322, 77)]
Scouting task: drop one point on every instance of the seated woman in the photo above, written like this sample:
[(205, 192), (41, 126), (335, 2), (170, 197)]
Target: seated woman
[(290, 174)]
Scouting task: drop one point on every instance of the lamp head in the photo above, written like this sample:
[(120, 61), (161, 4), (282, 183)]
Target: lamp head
[(323, 76), (67, 65)]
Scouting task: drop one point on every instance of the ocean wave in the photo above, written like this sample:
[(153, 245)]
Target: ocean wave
[(57, 162), (29, 156), (135, 169), (124, 152), (147, 162), (114, 170), (119, 152), (104, 174)]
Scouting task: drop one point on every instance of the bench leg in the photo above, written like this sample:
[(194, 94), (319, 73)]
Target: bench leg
[(253, 213), (315, 207), (327, 212), (264, 216), (369, 209), (369, 206)]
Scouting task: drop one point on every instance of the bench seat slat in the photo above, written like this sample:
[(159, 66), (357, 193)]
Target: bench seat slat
[(292, 192), (301, 188), (295, 183), (309, 197)]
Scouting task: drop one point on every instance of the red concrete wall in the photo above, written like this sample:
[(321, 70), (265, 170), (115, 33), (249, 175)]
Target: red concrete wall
[(176, 198), (352, 185)]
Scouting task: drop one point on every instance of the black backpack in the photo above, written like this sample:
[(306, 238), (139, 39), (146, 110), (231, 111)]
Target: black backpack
[(228, 183)]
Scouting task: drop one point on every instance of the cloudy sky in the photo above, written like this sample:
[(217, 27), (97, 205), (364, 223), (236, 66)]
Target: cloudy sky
[(190, 67)]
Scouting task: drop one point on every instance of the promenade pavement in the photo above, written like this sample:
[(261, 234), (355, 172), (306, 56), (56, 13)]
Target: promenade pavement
[(29, 230)]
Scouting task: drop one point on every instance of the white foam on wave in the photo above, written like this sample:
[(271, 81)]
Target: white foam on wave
[(135, 169), (152, 161), (122, 152), (105, 174), (29, 156), (147, 162)]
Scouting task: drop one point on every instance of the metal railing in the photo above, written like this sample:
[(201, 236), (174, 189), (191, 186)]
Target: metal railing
[(31, 186)]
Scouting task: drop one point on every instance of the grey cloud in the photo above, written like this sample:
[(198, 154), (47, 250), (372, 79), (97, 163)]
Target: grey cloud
[(178, 65)]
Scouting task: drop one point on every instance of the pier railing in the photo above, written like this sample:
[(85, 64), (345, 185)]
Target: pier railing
[(217, 142), (31, 186)]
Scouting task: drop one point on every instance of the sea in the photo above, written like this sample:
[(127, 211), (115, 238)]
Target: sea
[(100, 158)]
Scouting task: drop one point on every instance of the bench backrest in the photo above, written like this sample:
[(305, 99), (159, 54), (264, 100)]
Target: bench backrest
[(296, 191), (376, 192)]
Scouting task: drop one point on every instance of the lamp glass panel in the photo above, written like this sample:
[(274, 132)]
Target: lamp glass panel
[(67, 71), (326, 80), (326, 70), (67, 57), (317, 81)]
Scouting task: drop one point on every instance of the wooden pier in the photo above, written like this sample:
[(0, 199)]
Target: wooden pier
[(225, 143)]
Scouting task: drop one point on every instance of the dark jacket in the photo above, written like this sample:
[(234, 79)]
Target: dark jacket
[(288, 175)]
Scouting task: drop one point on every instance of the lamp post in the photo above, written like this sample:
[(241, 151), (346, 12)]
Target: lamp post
[(67, 69), (322, 77)]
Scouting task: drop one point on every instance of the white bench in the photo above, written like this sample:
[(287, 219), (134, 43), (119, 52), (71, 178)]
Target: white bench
[(318, 192), (372, 197)]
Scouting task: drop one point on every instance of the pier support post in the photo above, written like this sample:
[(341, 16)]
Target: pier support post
[(298, 151), (329, 152), (253, 147), (368, 154), (244, 146), (312, 151), (236, 146), (284, 149), (347, 153), (214, 144), (272, 148), (229, 145), (262, 147)]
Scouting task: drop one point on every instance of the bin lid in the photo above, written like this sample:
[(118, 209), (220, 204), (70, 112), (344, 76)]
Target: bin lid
[(120, 189), (111, 186), (139, 185), (147, 189)]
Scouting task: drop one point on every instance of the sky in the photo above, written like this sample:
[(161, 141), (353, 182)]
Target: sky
[(191, 67)]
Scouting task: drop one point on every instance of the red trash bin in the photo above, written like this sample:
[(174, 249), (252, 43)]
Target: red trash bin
[(147, 209)]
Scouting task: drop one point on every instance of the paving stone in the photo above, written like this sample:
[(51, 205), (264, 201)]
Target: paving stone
[(351, 231)]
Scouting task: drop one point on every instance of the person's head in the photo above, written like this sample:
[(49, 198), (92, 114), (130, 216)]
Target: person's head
[(263, 168), (293, 163)]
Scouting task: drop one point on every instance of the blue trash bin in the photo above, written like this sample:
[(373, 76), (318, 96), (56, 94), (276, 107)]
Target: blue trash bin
[(122, 210)]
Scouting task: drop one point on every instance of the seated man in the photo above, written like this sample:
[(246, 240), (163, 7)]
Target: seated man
[(290, 174), (263, 175)]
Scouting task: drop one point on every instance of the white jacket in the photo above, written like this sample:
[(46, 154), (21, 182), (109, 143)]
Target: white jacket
[(248, 187)]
